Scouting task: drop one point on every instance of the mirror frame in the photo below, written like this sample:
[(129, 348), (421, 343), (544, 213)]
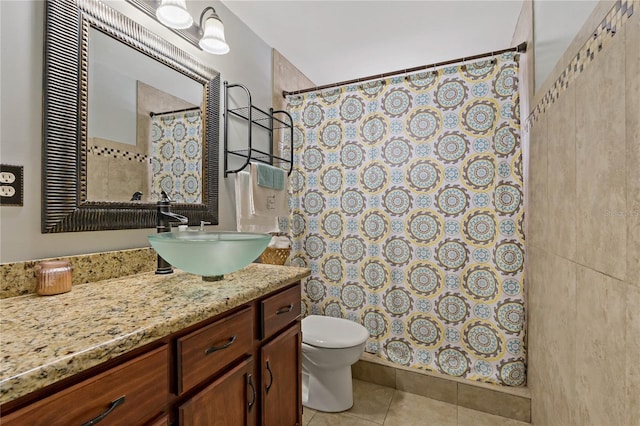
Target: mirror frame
[(65, 207)]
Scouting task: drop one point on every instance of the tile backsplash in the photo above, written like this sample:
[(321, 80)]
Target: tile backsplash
[(19, 278)]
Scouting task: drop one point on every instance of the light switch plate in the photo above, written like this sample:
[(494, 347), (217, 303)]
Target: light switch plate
[(11, 185)]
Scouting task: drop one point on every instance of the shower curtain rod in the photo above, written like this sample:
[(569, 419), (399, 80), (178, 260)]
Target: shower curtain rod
[(173, 112), (521, 48)]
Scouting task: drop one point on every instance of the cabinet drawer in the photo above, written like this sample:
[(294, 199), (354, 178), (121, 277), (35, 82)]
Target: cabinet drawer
[(279, 310), (136, 392), (204, 352)]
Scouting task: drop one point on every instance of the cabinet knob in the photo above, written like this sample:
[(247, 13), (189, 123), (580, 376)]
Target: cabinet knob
[(285, 309), (112, 406), (253, 391), (219, 348), (270, 378)]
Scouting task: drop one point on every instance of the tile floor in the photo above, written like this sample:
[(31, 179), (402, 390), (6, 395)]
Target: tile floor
[(379, 405)]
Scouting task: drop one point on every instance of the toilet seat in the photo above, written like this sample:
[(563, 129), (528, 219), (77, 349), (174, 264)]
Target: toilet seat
[(332, 333)]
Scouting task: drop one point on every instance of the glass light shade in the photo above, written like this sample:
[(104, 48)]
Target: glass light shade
[(174, 14), (212, 40)]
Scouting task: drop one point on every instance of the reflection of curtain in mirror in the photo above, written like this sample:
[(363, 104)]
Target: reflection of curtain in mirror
[(176, 156)]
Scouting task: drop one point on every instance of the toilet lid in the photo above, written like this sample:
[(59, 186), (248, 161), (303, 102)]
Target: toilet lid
[(334, 333)]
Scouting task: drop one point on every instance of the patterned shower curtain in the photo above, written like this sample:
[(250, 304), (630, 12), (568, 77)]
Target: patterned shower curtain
[(407, 206), (176, 156)]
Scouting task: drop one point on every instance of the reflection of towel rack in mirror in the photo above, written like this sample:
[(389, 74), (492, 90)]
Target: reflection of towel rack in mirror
[(269, 121)]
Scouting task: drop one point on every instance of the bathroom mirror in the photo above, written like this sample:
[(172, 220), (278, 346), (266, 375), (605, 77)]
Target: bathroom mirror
[(94, 130)]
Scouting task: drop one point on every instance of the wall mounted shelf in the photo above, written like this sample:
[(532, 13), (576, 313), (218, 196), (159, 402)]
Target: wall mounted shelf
[(267, 120)]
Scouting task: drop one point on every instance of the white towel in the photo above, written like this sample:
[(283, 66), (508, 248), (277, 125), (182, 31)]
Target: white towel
[(266, 201), (247, 222)]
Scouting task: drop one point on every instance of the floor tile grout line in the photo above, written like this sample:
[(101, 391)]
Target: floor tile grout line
[(389, 406)]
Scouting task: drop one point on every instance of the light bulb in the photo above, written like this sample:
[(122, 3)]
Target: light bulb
[(212, 40), (174, 14)]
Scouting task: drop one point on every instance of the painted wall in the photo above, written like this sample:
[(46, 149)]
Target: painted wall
[(21, 38), (112, 87), (556, 23), (583, 271)]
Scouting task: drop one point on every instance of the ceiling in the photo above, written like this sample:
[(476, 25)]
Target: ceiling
[(332, 41)]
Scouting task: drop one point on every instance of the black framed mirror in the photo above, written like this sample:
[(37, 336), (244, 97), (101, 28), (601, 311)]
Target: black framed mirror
[(69, 183)]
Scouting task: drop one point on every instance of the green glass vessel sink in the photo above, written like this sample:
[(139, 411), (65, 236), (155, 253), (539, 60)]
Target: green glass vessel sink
[(210, 254)]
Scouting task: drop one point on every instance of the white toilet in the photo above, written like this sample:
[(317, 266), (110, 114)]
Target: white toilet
[(330, 346)]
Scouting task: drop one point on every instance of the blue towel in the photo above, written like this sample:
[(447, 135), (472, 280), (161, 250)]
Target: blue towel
[(279, 176), (269, 176)]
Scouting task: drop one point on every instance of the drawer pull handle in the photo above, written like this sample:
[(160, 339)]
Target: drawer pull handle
[(219, 348), (285, 309), (270, 378), (253, 392), (112, 406)]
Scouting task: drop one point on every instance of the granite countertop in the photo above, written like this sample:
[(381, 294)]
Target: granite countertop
[(44, 339)]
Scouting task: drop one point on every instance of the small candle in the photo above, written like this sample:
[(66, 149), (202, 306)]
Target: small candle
[(54, 277)]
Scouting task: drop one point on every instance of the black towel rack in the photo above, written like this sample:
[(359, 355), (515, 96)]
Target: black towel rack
[(253, 115)]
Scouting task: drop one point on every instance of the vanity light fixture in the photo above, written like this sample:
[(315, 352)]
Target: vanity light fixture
[(212, 40), (174, 14), (208, 35)]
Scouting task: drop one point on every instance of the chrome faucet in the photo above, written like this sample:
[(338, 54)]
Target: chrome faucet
[(163, 224)]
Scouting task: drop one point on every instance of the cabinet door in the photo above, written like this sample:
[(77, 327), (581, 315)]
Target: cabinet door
[(228, 401), (281, 379)]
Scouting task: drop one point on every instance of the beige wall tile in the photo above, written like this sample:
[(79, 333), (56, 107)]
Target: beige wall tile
[(431, 387), (540, 409), (632, 29), (125, 178), (537, 261), (498, 403), (552, 352), (370, 401), (633, 246), (374, 373), (468, 417), (97, 177), (286, 77), (600, 349), (535, 275), (600, 153), (120, 146), (537, 208), (407, 409), (561, 174), (632, 351)]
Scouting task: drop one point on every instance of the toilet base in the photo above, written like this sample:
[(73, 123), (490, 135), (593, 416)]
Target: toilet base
[(331, 391)]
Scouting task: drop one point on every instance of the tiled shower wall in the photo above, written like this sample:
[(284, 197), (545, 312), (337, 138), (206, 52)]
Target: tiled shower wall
[(584, 242)]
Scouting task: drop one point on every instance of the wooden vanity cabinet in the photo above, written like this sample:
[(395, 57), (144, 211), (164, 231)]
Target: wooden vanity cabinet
[(242, 368), (258, 383)]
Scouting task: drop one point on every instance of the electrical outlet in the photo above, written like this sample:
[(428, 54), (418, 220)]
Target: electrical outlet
[(7, 191), (7, 177), (11, 184)]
